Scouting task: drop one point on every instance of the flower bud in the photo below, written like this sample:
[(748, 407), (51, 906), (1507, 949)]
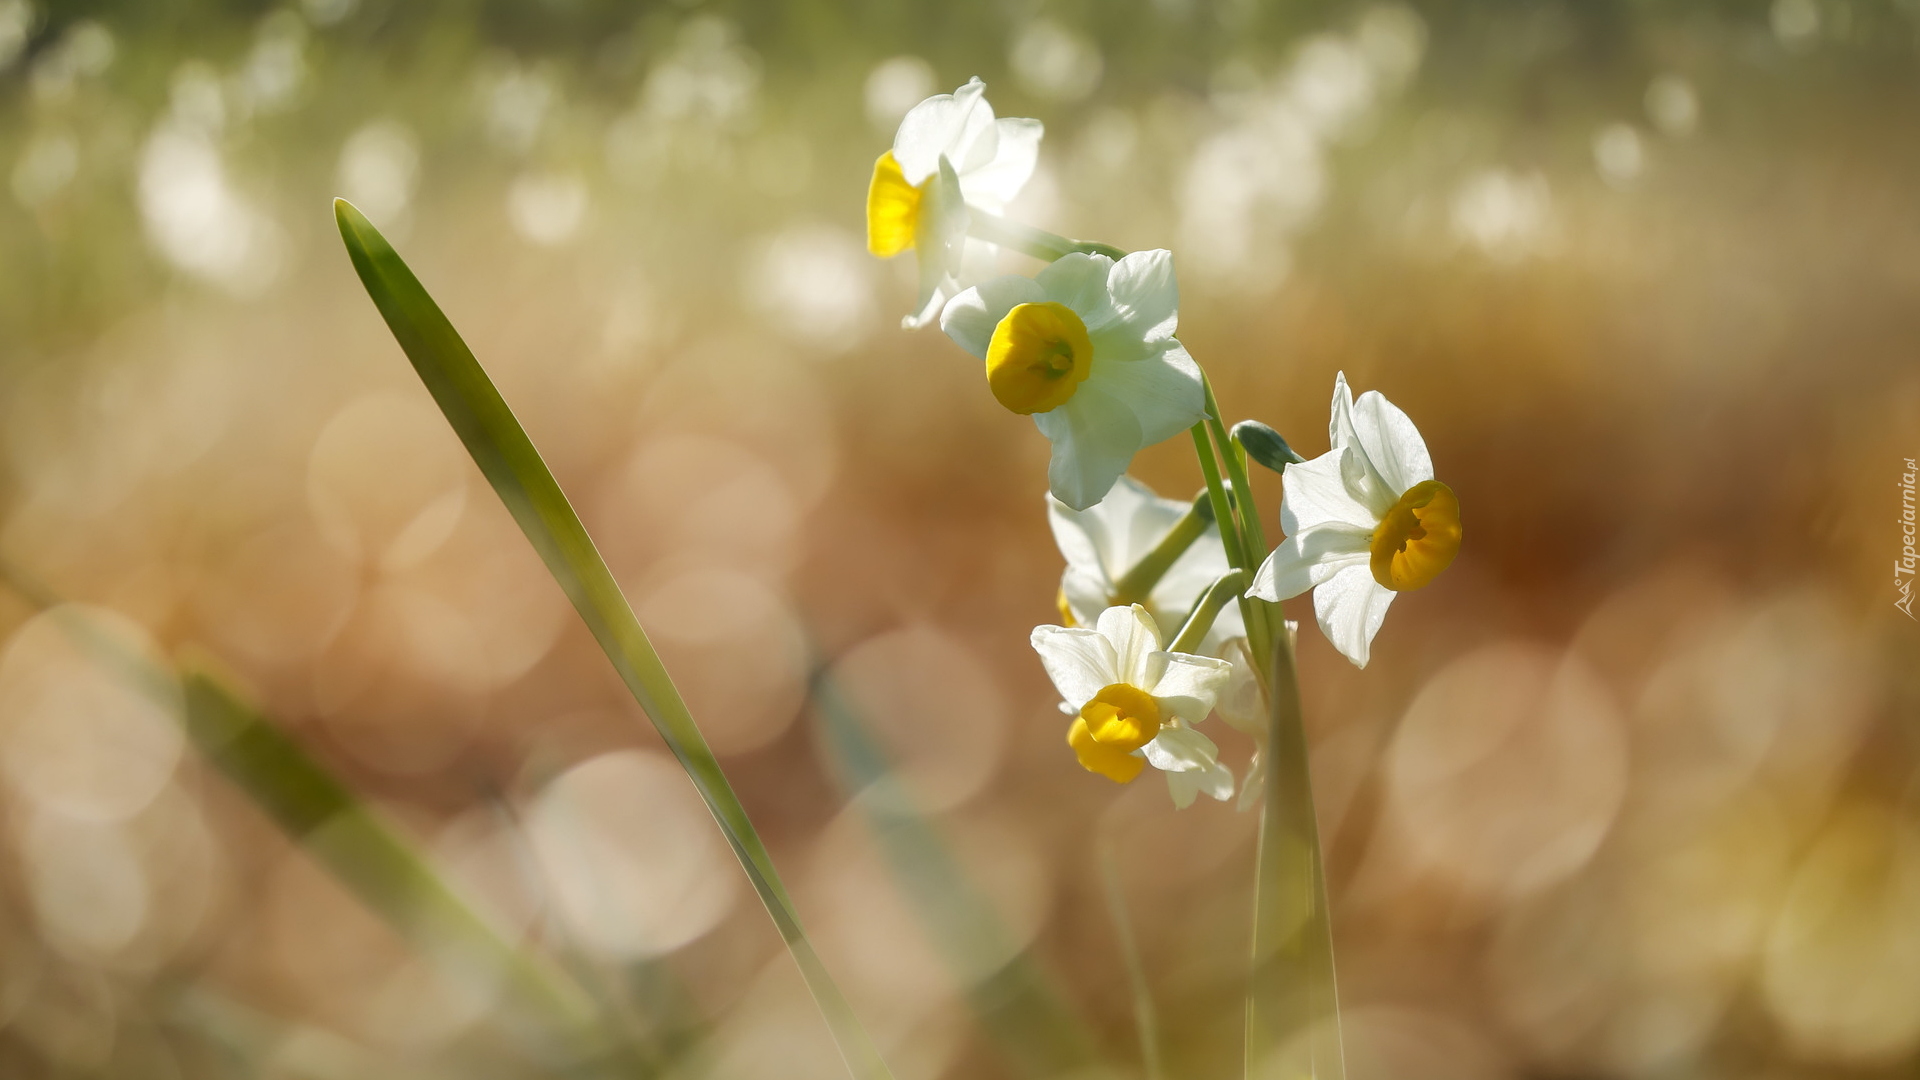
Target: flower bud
[(1264, 445)]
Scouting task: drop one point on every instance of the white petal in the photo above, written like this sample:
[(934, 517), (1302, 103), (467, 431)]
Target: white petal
[(1079, 661), (1078, 533), (934, 127), (1165, 391), (1135, 639), (1391, 442), (941, 232), (971, 317), (1351, 606), (1192, 765), (1216, 782), (1340, 426), (1255, 785), (1137, 520), (1095, 436), (1079, 281), (1315, 493), (936, 300), (995, 183), (1187, 685), (1358, 472), (1308, 558), (939, 244), (979, 140), (1184, 787), (1191, 575), (1363, 481), (1181, 749), (1145, 297), (1240, 703), (981, 261), (1087, 595), (1115, 532)]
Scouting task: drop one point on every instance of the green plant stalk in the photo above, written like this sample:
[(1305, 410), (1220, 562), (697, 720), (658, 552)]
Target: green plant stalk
[(1252, 614), (1226, 588), (1253, 536), (1021, 1007), (1137, 583), (1259, 617), (1291, 993), (347, 837), (1217, 494), (511, 464), (1293, 1010), (1146, 1020), (1039, 243)]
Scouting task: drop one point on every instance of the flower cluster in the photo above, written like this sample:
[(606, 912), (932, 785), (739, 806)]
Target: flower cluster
[(1165, 618)]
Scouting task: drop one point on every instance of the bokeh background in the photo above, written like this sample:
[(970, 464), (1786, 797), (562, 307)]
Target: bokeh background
[(1630, 791)]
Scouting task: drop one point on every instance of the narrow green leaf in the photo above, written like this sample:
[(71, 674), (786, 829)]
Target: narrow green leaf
[(357, 845), (1020, 1006), (1293, 1010), (1146, 1020), (506, 456), (348, 838)]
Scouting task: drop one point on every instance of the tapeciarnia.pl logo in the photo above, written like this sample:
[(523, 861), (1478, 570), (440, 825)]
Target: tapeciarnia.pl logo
[(1903, 567)]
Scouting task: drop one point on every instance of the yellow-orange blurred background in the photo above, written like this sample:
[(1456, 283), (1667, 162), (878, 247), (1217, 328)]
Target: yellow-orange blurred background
[(1628, 792)]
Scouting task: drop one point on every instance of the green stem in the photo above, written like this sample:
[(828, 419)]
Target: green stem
[(1263, 621), (1145, 1019), (1253, 613), (1291, 994), (1229, 587), (1253, 536), (1039, 243), (1137, 583), (1217, 493)]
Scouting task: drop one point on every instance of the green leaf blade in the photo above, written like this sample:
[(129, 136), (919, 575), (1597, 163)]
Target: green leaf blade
[(1293, 1007), (506, 456)]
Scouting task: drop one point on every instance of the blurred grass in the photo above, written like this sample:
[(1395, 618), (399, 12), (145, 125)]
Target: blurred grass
[(556, 1020), (1020, 1004)]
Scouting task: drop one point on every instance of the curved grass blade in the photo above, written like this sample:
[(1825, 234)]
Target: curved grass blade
[(1293, 1010), (1019, 1006), (359, 847), (506, 456), (350, 839)]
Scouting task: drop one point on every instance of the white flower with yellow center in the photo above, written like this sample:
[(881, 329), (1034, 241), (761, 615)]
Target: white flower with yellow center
[(1364, 521), (1135, 704), (1087, 349), (948, 153), (1103, 542)]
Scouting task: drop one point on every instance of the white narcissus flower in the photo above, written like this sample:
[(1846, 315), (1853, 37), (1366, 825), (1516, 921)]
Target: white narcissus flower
[(1135, 703), (948, 153), (1104, 541), (1087, 349), (1364, 521)]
